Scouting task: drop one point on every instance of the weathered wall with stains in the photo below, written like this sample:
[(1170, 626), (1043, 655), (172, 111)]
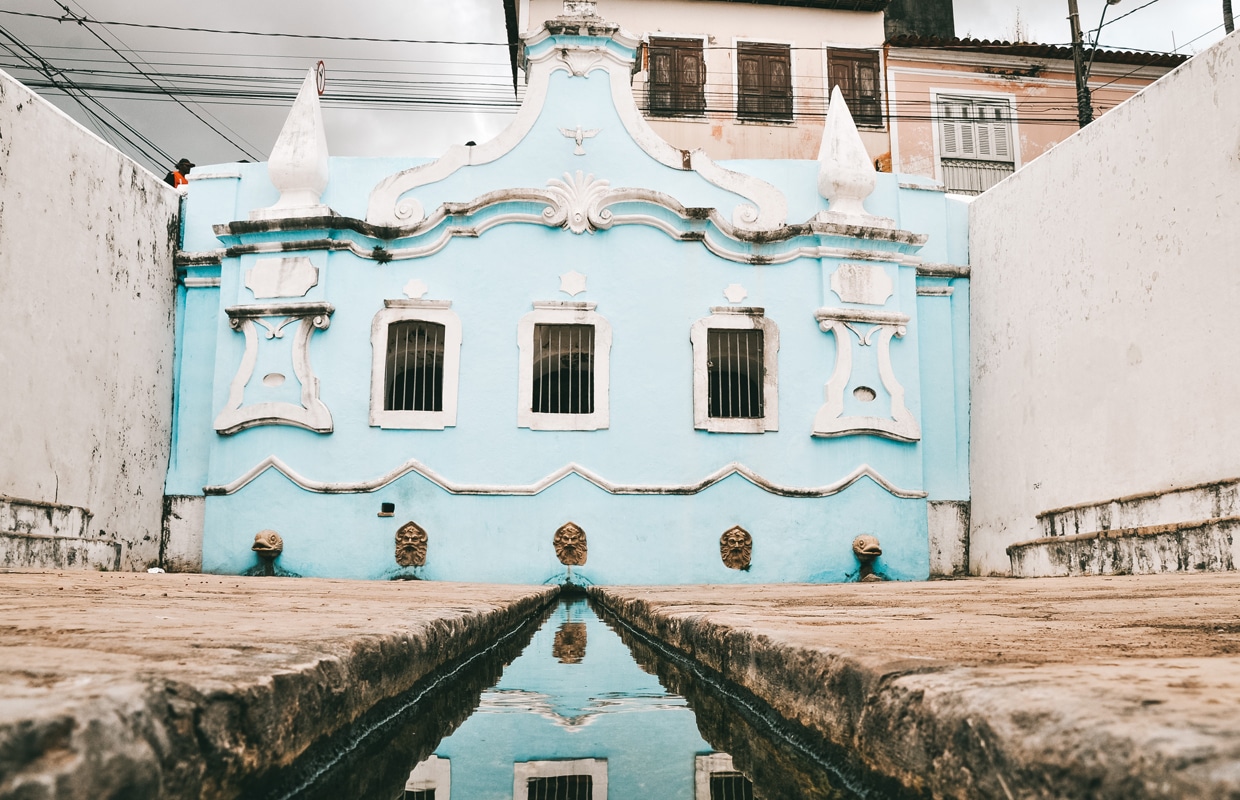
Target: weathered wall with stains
[(1104, 295), (86, 295)]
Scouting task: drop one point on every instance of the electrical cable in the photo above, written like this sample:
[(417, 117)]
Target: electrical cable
[(82, 23), (49, 71)]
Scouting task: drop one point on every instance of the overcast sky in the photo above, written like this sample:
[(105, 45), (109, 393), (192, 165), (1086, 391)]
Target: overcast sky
[(457, 91)]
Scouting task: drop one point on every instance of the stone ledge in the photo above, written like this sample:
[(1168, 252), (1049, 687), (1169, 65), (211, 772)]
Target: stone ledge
[(195, 686), (42, 551), (1201, 545), (984, 688)]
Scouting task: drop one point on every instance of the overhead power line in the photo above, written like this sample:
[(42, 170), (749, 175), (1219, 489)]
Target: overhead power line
[(56, 80), (82, 24), (278, 34)]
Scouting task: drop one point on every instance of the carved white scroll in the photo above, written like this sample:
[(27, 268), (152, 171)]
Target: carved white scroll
[(870, 329), (273, 320)]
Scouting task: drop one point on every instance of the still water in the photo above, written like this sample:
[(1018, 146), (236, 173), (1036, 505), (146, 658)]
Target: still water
[(575, 706)]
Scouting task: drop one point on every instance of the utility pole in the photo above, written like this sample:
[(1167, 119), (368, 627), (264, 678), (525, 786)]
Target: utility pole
[(1229, 24), (1084, 110)]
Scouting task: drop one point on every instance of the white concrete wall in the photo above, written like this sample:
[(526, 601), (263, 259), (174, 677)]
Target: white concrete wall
[(86, 308), (1106, 284)]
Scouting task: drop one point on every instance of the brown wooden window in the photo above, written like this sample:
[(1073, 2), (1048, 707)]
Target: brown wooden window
[(856, 72), (677, 77), (764, 81)]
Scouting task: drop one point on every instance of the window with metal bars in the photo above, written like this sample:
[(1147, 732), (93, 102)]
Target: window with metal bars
[(763, 81), (420, 794), (677, 77), (563, 379), (857, 72), (413, 380), (561, 787), (735, 373), (730, 786)]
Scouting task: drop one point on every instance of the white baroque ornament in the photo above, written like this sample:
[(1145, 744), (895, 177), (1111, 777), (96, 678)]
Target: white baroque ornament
[(576, 201), (843, 324), (581, 60), (735, 293), (416, 289)]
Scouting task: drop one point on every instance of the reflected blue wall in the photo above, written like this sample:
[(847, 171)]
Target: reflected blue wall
[(605, 706)]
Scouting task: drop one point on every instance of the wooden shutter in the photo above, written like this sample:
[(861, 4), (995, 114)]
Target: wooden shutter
[(857, 74), (955, 129), (778, 75), (764, 81), (994, 136), (749, 84), (677, 77)]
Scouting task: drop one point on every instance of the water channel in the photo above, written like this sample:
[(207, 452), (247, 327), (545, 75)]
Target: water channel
[(574, 706)]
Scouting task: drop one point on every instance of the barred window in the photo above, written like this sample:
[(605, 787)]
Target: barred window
[(565, 349), (563, 380), (735, 373), (416, 368), (730, 786), (413, 378), (764, 81), (561, 787)]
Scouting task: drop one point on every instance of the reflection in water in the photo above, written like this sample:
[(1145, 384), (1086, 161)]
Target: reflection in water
[(574, 722), (570, 643), (737, 723)]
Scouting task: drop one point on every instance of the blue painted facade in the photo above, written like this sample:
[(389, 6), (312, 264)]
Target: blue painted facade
[(652, 493)]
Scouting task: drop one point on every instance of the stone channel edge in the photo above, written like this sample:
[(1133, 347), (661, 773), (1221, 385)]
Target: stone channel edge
[(162, 738), (940, 729)]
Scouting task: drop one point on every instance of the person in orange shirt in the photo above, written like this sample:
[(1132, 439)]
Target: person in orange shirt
[(177, 177)]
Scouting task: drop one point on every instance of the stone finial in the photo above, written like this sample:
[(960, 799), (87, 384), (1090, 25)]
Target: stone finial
[(846, 176), (298, 163), (579, 8)]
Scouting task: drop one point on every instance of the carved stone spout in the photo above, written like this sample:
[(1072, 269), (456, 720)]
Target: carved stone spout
[(866, 549), (268, 545)]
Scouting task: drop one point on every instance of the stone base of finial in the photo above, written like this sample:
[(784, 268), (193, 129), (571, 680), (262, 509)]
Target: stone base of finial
[(854, 220), (297, 212)]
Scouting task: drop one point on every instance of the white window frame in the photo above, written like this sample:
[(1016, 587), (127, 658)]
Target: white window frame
[(936, 112), (436, 311), (433, 773), (706, 765), (736, 318), (557, 312), (596, 768)]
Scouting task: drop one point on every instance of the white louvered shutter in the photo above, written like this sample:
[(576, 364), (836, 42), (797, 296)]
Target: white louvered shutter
[(955, 129)]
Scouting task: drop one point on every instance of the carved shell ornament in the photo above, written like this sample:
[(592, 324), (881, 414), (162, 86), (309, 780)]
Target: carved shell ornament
[(736, 548), (575, 201), (570, 545), (411, 543)]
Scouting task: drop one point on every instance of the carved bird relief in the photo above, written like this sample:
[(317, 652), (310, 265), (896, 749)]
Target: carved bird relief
[(579, 136)]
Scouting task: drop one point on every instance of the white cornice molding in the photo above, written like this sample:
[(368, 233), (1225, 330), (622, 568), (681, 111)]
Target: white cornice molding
[(530, 489)]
